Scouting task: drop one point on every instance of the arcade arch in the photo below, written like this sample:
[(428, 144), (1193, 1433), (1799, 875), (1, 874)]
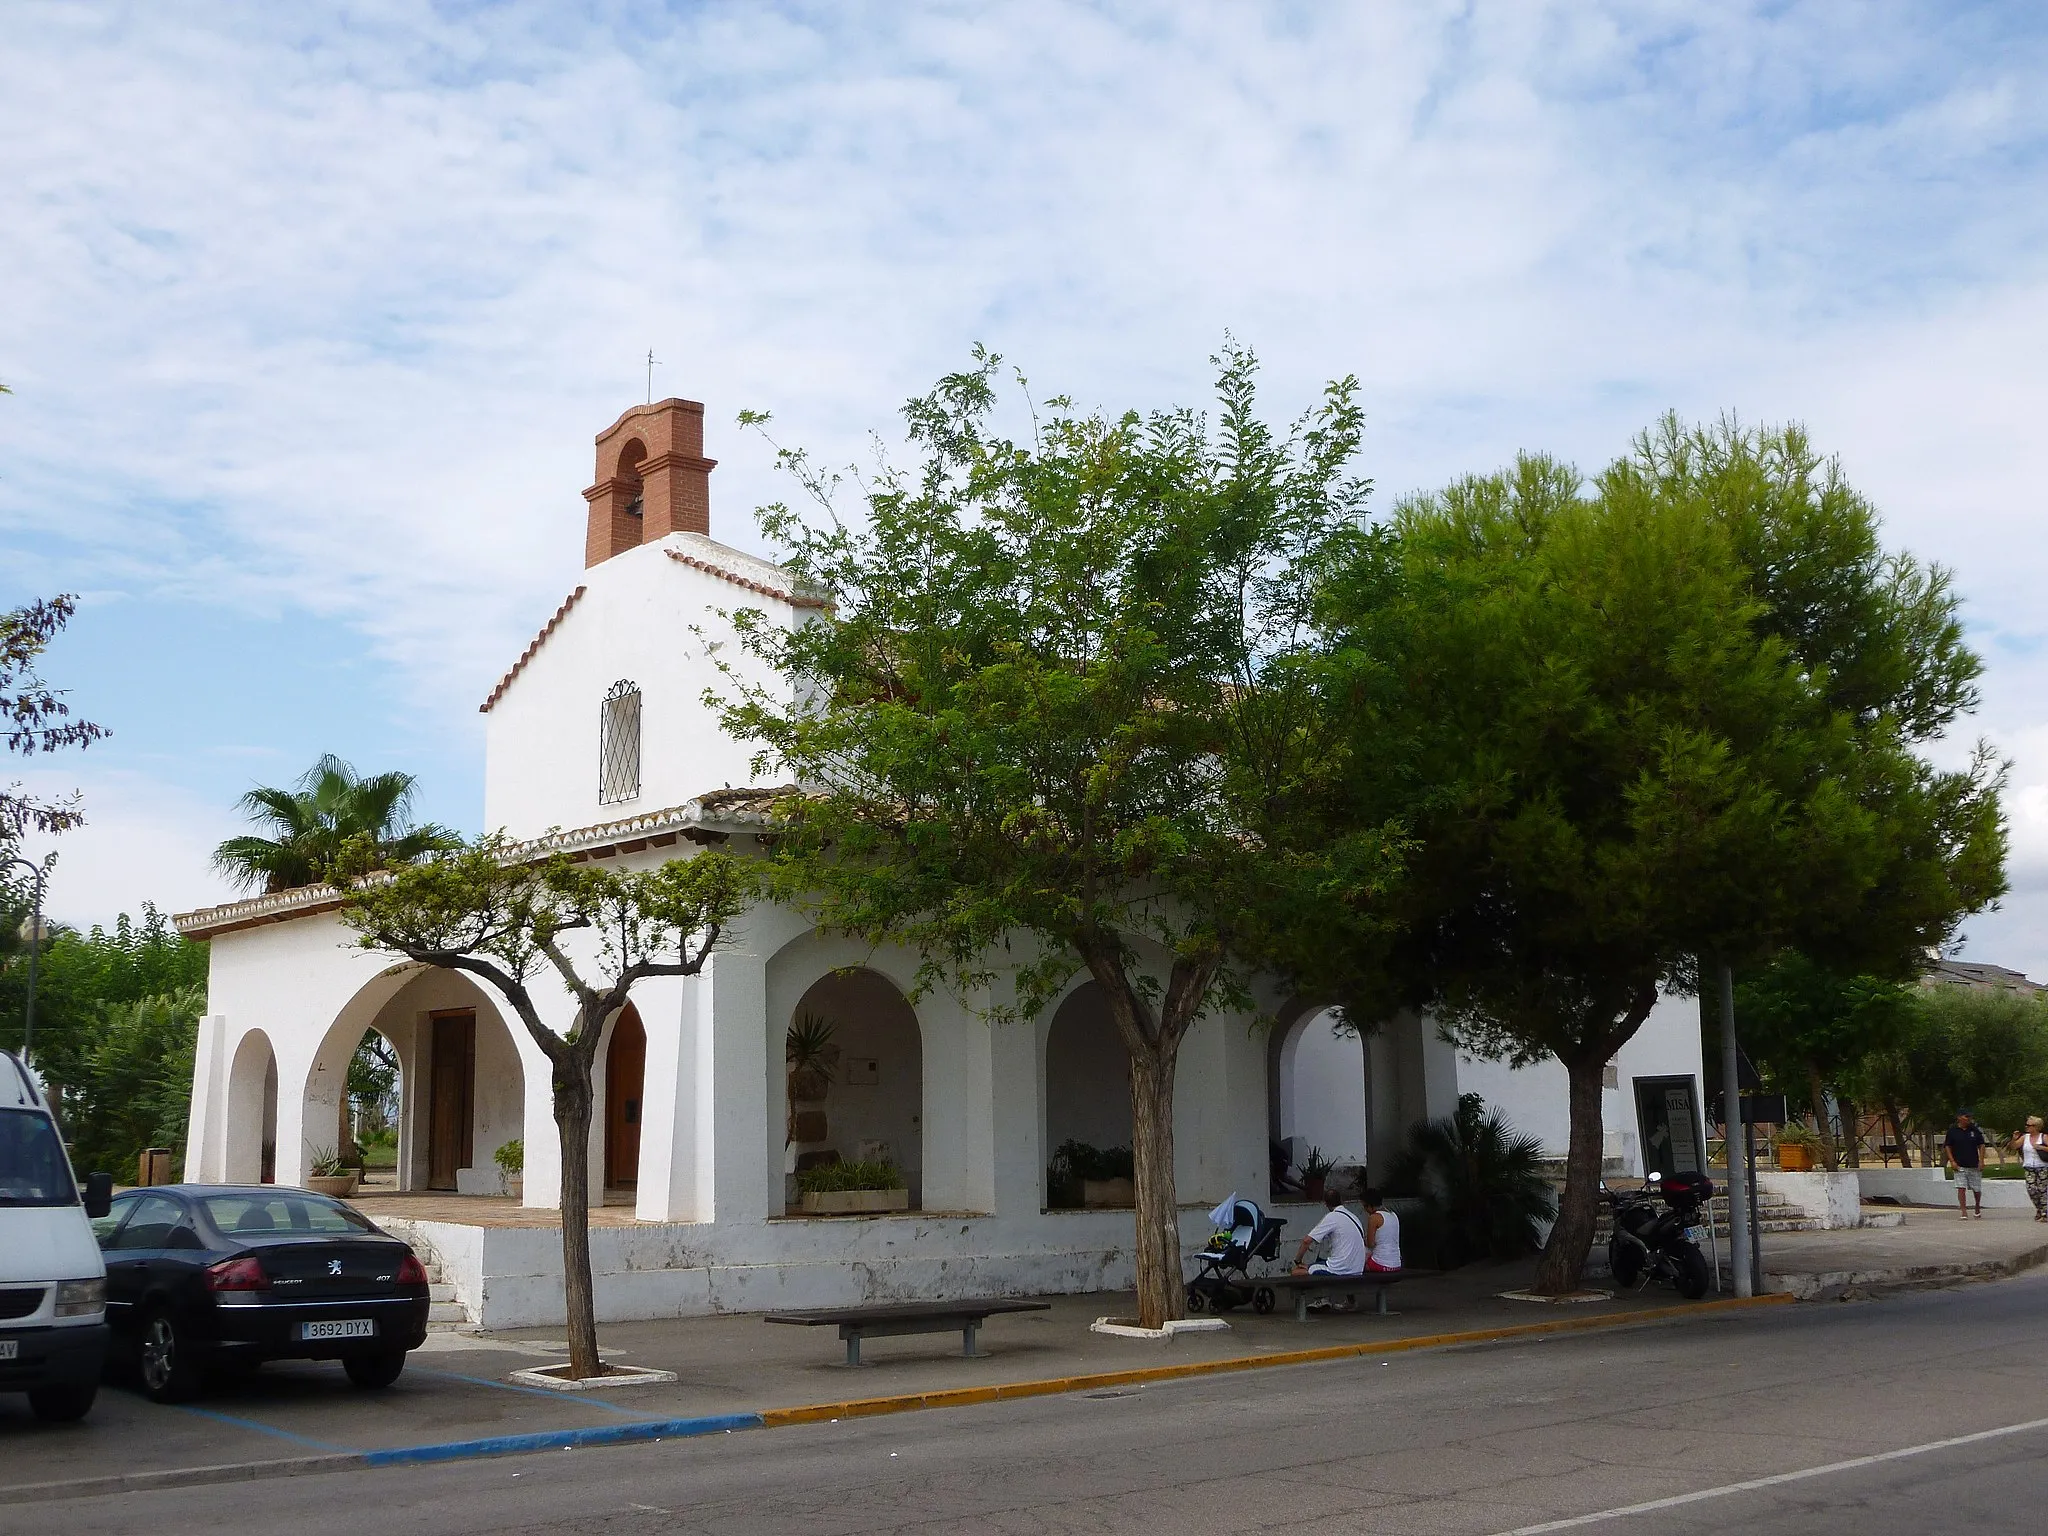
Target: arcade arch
[(1087, 1076), (252, 1111), (1318, 1080), (872, 1097)]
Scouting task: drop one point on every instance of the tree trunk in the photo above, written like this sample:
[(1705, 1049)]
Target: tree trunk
[(572, 1125), (1852, 1132), (1160, 1293), (1818, 1093), (1578, 1207)]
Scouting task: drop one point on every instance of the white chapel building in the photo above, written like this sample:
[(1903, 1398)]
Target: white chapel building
[(598, 743)]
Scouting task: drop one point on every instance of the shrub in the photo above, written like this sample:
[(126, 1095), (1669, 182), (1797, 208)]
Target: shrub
[(511, 1158), (1483, 1181), (831, 1178)]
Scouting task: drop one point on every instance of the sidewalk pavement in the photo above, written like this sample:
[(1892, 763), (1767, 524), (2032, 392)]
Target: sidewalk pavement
[(1931, 1246), (736, 1372)]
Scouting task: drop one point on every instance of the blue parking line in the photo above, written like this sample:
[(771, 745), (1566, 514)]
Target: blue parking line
[(565, 1439), (261, 1428), (513, 1386)]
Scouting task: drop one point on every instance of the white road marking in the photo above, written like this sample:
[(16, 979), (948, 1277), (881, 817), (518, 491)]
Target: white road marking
[(1775, 1480)]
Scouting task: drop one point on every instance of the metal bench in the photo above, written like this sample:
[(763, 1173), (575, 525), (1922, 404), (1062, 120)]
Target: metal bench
[(1305, 1286), (899, 1318)]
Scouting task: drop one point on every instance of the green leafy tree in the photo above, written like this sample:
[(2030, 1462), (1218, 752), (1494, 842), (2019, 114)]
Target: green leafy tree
[(34, 718), (1963, 1048), (1630, 740), (333, 818), (490, 911), (1041, 723), (1812, 1030)]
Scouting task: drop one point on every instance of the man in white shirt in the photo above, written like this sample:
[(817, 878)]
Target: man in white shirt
[(1345, 1234)]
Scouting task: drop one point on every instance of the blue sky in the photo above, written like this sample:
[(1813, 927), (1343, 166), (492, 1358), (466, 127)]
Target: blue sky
[(311, 312)]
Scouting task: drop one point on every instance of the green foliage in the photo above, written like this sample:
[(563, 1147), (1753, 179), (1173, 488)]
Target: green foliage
[(34, 717), (1486, 1185), (1049, 695), (1965, 1048), (1074, 1162), (373, 1069), (1796, 1136), (116, 1017), (333, 820), (326, 1163), (832, 1178), (510, 1157)]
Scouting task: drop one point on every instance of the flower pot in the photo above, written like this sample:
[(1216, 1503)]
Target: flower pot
[(855, 1202), (336, 1186), (1794, 1157), (1108, 1194), (515, 1185), (1314, 1185)]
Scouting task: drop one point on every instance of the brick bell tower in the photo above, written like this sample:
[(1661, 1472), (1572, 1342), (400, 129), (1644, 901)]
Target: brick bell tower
[(652, 479)]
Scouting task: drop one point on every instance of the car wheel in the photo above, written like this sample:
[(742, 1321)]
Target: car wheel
[(169, 1373), (62, 1404), (378, 1370)]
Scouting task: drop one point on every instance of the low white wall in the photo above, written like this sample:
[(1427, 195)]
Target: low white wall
[(1932, 1186), (1830, 1199), (511, 1277)]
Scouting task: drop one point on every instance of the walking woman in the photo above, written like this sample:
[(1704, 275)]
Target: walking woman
[(2034, 1164)]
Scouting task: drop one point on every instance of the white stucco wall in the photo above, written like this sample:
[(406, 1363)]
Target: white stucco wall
[(643, 618), (1322, 1090)]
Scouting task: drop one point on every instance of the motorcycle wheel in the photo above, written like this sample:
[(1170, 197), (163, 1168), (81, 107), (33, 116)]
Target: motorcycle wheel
[(1625, 1260), (1690, 1266)]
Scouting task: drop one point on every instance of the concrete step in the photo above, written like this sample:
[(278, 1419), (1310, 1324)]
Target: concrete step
[(437, 1291), (453, 1313)]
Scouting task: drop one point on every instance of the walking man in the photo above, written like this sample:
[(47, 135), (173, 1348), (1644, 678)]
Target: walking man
[(2034, 1164), (1964, 1146)]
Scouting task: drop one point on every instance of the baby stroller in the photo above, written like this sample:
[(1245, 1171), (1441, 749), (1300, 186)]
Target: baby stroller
[(1243, 1233)]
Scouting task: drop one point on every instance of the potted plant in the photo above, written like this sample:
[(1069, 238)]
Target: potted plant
[(810, 1056), (328, 1176), (1315, 1174), (851, 1189), (1798, 1149), (511, 1161)]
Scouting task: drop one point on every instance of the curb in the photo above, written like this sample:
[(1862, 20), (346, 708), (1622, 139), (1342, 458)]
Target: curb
[(962, 1397), (1829, 1284), (646, 1430)]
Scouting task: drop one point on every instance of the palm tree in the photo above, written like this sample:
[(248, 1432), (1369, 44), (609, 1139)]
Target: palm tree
[(332, 811), (1485, 1180)]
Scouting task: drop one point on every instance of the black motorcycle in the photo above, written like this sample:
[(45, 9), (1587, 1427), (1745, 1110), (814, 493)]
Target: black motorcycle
[(1657, 1233)]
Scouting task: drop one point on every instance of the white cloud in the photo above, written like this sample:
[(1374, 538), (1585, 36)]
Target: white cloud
[(318, 310), (143, 840)]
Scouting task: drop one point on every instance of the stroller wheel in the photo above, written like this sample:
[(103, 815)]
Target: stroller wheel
[(1196, 1301), (1262, 1300)]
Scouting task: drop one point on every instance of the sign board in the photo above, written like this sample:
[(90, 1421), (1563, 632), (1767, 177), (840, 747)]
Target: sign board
[(1668, 1120), (1757, 1109)]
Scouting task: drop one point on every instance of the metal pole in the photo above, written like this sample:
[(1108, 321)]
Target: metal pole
[(1731, 1115)]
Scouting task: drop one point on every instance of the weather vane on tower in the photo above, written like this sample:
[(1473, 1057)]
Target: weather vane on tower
[(653, 362)]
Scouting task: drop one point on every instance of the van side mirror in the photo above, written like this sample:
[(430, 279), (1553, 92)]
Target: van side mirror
[(99, 1194)]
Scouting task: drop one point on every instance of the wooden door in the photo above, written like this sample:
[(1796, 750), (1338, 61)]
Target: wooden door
[(451, 1089), (625, 1074)]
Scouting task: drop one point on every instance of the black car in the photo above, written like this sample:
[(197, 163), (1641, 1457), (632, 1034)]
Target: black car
[(210, 1276)]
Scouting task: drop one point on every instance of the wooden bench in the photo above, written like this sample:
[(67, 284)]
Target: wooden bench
[(1305, 1286), (899, 1318)]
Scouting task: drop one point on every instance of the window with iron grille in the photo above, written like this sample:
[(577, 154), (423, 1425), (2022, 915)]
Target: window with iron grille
[(618, 745)]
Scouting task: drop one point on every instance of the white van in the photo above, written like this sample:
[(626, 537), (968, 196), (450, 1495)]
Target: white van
[(53, 1283)]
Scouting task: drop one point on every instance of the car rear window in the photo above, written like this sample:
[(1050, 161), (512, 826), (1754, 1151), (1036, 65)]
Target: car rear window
[(33, 1170), (263, 1214)]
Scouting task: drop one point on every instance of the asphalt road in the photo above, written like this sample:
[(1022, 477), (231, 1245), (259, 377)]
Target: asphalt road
[(1490, 1439)]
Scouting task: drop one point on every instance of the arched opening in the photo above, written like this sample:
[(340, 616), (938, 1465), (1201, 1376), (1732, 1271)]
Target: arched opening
[(1319, 1099), (1087, 1105), (252, 1112), (855, 1080), (629, 472), (434, 1069), (625, 1073)]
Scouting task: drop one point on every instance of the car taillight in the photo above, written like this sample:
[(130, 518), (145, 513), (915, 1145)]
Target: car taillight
[(411, 1271), (243, 1274)]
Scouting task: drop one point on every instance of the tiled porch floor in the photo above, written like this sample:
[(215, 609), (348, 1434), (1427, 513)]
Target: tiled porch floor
[(484, 1210)]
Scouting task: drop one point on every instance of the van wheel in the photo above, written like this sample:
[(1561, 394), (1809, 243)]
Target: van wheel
[(378, 1370), (62, 1404), (169, 1373)]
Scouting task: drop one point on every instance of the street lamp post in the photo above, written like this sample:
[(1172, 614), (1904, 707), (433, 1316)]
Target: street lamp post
[(35, 943)]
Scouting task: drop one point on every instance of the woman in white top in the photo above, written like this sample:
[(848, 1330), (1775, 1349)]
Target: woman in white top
[(2034, 1164)]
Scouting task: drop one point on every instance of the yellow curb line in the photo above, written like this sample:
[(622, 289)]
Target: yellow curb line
[(961, 1397)]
